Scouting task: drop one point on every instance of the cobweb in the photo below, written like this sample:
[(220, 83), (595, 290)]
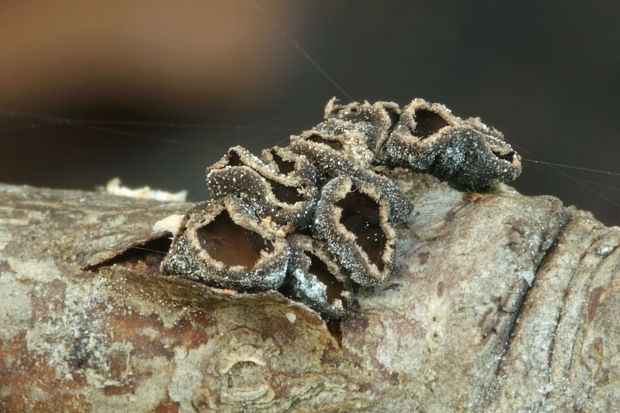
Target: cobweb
[(174, 153)]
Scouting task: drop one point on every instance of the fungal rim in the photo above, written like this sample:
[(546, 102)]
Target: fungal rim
[(256, 184), (188, 255), (342, 243)]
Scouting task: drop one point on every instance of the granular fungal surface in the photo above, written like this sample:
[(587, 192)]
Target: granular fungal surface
[(316, 219)]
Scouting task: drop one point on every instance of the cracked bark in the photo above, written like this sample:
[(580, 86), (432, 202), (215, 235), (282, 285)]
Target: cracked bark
[(502, 303)]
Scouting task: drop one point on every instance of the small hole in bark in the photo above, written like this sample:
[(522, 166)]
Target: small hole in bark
[(320, 270), (284, 193), (285, 167), (234, 159), (506, 157), (319, 139), (231, 244), (360, 215), (427, 123), (145, 257)]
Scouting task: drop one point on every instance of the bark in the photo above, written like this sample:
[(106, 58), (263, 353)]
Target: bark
[(502, 302)]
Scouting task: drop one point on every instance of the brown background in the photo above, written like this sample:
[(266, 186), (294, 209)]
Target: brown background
[(168, 86)]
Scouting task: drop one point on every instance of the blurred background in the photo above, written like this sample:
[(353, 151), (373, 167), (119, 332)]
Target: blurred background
[(154, 91)]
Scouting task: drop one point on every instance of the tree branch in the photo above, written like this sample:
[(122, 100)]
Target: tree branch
[(502, 302)]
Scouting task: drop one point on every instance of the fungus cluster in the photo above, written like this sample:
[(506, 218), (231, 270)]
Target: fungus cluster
[(317, 218)]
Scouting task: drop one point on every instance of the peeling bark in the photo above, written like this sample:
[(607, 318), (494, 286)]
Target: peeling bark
[(502, 302)]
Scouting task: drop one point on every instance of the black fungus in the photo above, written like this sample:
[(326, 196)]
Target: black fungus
[(224, 244), (429, 138), (330, 182), (286, 199), (352, 219), (314, 278)]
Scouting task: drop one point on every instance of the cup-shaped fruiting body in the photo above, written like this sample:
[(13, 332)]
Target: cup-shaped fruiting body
[(417, 135), (224, 244), (399, 204), (288, 163), (429, 138), (476, 160), (286, 199), (333, 149), (510, 168), (353, 220), (375, 120), (314, 278)]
